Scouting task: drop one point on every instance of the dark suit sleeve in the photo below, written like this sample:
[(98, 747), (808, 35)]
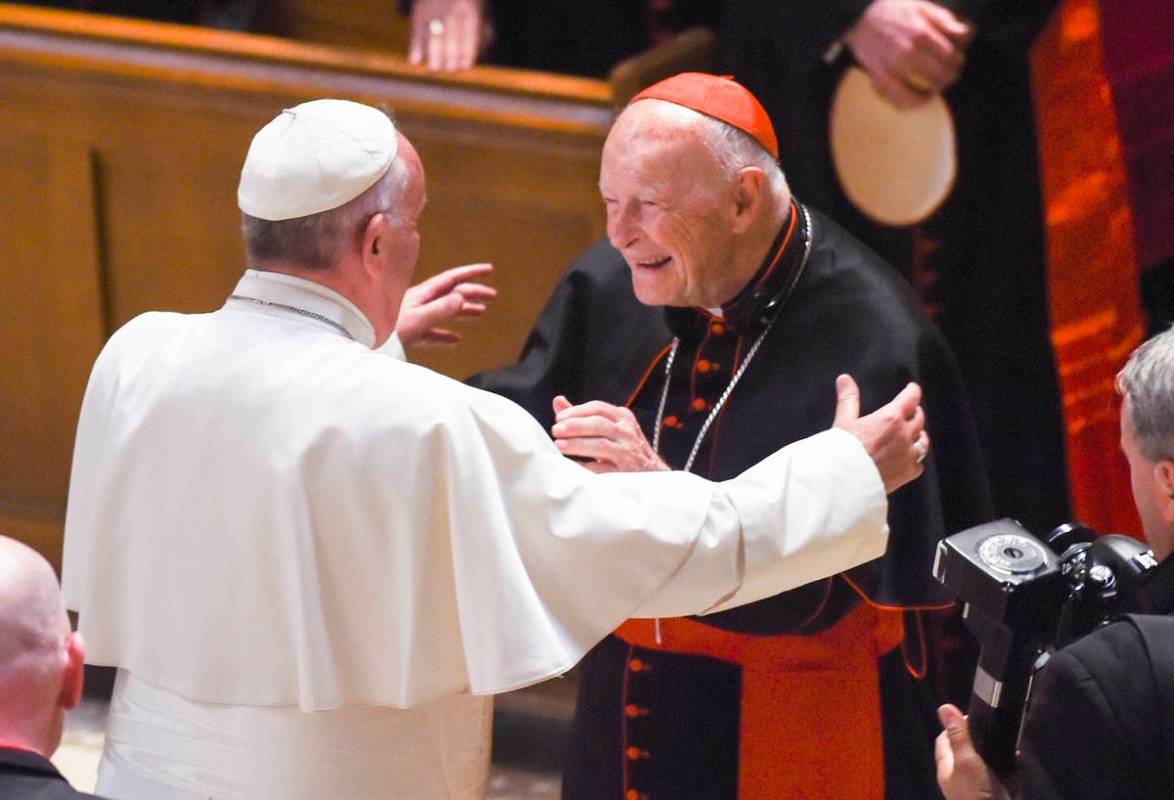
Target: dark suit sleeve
[(1010, 21), (1090, 730), (808, 29), (999, 22), (1003, 24)]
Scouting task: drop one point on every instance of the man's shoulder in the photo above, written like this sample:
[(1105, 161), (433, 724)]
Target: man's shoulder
[(150, 326), (376, 392), (1108, 663), (209, 356), (150, 322), (141, 335), (865, 304), (31, 777), (1117, 649), (1094, 726), (867, 291), (840, 259), (1120, 640)]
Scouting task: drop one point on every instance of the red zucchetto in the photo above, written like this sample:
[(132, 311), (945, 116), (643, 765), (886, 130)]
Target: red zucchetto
[(720, 97)]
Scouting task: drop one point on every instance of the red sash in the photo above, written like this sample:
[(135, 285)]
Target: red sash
[(810, 713)]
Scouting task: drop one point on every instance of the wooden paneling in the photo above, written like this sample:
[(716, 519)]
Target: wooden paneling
[(368, 24), (120, 148), (50, 324)]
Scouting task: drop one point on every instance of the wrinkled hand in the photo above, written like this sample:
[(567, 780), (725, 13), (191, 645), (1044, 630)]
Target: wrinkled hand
[(962, 775), (912, 49), (448, 35), (606, 435), (894, 435), (450, 295)]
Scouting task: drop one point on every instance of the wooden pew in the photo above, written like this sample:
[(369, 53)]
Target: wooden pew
[(120, 146)]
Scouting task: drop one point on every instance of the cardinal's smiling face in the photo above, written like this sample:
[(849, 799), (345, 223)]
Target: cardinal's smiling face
[(671, 209)]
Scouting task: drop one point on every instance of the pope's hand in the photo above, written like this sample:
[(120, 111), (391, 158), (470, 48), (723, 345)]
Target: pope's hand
[(962, 774), (607, 436), (894, 435), (912, 49), (448, 35), (450, 295)]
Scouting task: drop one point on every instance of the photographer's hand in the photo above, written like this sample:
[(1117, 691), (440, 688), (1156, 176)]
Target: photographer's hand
[(962, 775)]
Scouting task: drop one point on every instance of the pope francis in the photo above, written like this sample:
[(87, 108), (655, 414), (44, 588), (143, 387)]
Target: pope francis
[(313, 563)]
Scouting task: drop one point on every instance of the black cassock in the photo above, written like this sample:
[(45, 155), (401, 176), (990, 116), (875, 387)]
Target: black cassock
[(674, 731)]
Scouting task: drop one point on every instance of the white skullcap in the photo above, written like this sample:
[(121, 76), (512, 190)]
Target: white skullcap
[(315, 157)]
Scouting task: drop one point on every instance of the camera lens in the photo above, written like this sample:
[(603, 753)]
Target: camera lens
[(1011, 554)]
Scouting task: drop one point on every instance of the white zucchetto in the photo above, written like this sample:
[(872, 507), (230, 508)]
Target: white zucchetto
[(314, 157)]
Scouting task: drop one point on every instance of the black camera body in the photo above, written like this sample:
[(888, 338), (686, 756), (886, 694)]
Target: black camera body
[(1024, 599)]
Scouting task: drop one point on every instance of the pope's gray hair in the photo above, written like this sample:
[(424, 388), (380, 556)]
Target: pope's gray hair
[(317, 241), (1147, 384)]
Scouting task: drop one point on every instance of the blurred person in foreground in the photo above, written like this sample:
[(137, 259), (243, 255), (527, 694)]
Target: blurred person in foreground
[(41, 675)]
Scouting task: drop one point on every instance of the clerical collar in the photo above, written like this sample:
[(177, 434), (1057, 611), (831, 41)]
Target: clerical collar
[(275, 290), (748, 310)]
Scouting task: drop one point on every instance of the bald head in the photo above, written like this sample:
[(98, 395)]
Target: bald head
[(33, 623), (41, 660), (729, 148)]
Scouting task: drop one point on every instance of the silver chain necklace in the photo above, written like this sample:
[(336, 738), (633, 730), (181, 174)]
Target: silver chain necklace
[(295, 310), (721, 401)]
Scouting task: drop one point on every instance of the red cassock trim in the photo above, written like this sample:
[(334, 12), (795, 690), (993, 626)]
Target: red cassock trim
[(810, 711)]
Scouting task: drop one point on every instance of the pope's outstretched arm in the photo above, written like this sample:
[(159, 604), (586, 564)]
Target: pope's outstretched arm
[(610, 439), (813, 509)]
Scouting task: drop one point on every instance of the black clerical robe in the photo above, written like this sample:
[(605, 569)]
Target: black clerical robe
[(681, 718)]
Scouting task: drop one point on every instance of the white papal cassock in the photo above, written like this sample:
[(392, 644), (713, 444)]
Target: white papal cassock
[(285, 540)]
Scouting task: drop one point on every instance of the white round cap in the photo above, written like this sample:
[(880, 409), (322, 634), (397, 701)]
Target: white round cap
[(314, 157), (896, 166)]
